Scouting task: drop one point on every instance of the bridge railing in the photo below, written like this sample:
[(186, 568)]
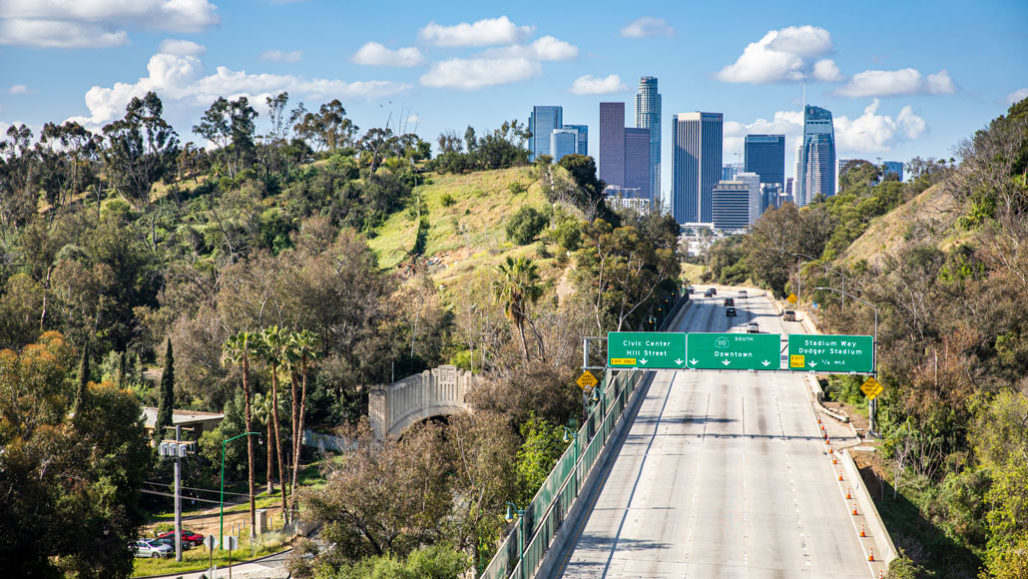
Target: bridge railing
[(557, 495)]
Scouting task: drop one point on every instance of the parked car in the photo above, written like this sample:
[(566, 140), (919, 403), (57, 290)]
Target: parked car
[(170, 541), (730, 312), (193, 539), (150, 548), (789, 316), (729, 302), (752, 328), (709, 293)]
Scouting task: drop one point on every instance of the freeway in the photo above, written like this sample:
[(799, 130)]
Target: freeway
[(722, 474)]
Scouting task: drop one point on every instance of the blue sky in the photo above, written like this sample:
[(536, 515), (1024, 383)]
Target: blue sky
[(902, 78)]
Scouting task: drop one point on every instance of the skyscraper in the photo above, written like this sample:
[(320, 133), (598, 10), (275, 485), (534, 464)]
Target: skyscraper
[(541, 123), (612, 143), (563, 142), (765, 156), (647, 116), (697, 165), (815, 156), (637, 162), (583, 138)]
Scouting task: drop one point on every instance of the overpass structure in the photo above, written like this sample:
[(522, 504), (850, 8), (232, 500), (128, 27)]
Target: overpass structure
[(436, 392), (709, 473)]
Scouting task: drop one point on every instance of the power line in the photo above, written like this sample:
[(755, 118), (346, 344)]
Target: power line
[(150, 492), (198, 489)]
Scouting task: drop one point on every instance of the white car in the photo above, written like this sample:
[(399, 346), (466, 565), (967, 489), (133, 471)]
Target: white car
[(752, 328), (147, 548)]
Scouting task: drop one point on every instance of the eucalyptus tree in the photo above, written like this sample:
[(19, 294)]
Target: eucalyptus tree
[(141, 148)]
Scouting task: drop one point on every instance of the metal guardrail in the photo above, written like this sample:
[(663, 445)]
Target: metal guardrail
[(557, 495)]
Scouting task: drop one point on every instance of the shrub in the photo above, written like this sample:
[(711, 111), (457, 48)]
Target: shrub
[(447, 200), (524, 225)]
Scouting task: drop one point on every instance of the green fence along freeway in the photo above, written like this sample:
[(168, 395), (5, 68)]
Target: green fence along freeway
[(646, 350), (828, 354), (731, 351)]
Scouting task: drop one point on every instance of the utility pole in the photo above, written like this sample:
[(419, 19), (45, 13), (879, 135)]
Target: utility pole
[(178, 497)]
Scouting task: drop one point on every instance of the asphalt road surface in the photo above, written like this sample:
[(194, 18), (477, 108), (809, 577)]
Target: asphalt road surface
[(722, 474)]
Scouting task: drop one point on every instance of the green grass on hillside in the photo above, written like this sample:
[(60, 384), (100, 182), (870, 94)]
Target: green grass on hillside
[(466, 217)]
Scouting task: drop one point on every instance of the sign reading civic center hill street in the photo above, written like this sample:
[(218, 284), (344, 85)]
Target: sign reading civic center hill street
[(735, 351), (646, 350), (828, 354)]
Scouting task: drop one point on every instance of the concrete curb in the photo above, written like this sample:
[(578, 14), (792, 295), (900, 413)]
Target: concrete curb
[(234, 565), (882, 540)]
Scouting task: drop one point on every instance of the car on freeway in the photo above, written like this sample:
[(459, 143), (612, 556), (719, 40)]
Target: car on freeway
[(730, 312), (709, 293), (689, 290), (752, 328), (188, 537), (150, 548), (729, 302), (742, 294), (789, 316)]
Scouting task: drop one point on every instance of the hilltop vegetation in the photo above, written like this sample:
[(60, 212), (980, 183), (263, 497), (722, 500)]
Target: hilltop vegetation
[(323, 261), (943, 258)]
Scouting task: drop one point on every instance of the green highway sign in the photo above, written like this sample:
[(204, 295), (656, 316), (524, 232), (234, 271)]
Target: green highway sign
[(831, 354), (735, 351), (646, 350)]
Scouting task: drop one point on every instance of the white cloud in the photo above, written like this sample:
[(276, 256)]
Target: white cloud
[(826, 71), (883, 83), (181, 47), (279, 56), (871, 132), (18, 89), (58, 34), (589, 84), (647, 27), (97, 23), (490, 31), (182, 79), (476, 73), (782, 56), (1017, 96), (545, 48), (375, 54)]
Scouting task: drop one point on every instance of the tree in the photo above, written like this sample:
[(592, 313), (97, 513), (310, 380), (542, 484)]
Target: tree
[(237, 350), (516, 289), (525, 225), (141, 148), (166, 397), (273, 347), (230, 125), (305, 348)]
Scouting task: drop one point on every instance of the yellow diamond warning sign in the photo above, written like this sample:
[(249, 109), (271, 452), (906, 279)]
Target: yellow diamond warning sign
[(792, 299), (586, 380), (871, 388)]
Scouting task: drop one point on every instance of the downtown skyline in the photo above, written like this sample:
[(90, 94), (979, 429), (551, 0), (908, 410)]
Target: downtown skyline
[(896, 90)]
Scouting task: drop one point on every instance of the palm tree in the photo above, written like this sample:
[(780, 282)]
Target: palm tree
[(305, 346), (237, 350), (516, 289), (274, 341)]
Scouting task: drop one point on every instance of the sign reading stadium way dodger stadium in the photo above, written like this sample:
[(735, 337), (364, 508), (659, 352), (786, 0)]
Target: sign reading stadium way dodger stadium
[(831, 354), (646, 350)]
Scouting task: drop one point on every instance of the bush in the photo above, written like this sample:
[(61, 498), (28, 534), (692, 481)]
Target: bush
[(447, 200), (524, 225)]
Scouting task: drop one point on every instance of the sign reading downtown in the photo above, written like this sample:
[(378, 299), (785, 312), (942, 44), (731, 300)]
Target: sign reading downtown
[(646, 350), (735, 351), (831, 354)]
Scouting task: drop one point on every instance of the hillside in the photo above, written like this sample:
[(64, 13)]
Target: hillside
[(930, 215)]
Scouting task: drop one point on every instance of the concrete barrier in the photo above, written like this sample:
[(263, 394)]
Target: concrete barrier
[(884, 547)]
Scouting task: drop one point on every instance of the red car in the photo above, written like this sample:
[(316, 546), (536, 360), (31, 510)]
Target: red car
[(188, 537)]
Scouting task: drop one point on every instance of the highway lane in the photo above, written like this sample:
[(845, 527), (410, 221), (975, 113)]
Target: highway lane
[(722, 474)]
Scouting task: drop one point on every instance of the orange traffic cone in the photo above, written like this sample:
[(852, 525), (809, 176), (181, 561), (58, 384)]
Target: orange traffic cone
[(848, 494), (840, 476), (854, 508), (862, 534), (819, 421), (871, 556), (835, 460)]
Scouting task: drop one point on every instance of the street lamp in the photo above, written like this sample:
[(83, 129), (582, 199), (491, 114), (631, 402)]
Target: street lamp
[(874, 352), (221, 522), (512, 512), (799, 273)]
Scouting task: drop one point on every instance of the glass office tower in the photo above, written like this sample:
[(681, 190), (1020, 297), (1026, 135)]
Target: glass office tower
[(698, 142), (612, 143), (815, 157), (765, 156), (647, 116), (541, 123)]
